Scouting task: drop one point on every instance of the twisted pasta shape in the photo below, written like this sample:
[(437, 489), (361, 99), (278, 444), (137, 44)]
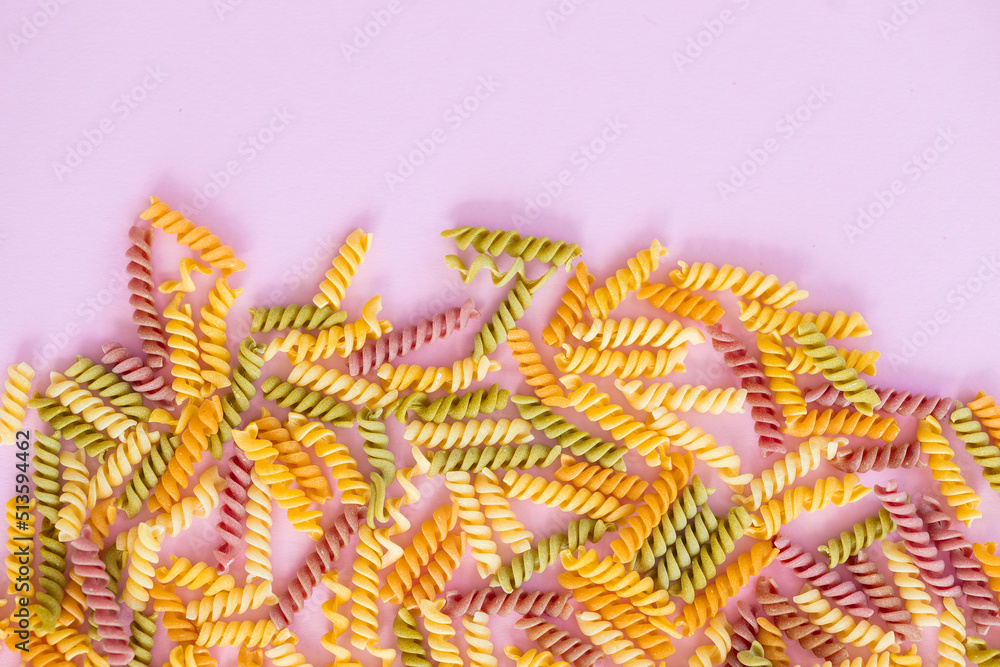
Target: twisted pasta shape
[(341, 340), (758, 317), (720, 643), (227, 603), (827, 581), (548, 636), (183, 343), (570, 312), (458, 377), (147, 475), (364, 627), (596, 477), (119, 464), (110, 386), (648, 514), (280, 318), (797, 627), (510, 310), (985, 409), (977, 443), (196, 238), (251, 634), (985, 553), (863, 362), (585, 359), (628, 279), (564, 496), (320, 562), (674, 525), (411, 339), (474, 459), (683, 398), (918, 542), (535, 372), (309, 403), (704, 447), (497, 510), (496, 241), (258, 532), (754, 285), (533, 658), (604, 334), (341, 594), (547, 552), (52, 578), (485, 262), (440, 570), (470, 433), (142, 629), (733, 579), (835, 369), (345, 266), (979, 653), (334, 383), (911, 588), (770, 640), (477, 639), (682, 302), (951, 638), (439, 633), (785, 471), (113, 636), (892, 455), (137, 374), (76, 479), (232, 512), (843, 422), (611, 641), (70, 425), (608, 583), (140, 284), (775, 364), (409, 639), (744, 633), (579, 442), (205, 418), (236, 401), (376, 447), (473, 522), (418, 553), (453, 406), (834, 622), (753, 381), (953, 486), (93, 410), (968, 571), (46, 474), (684, 546), (888, 605), (308, 476), (143, 555), (753, 656), (892, 401), (721, 544), (335, 455), (497, 603), (861, 536)]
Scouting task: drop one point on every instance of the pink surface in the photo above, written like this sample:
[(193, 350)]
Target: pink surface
[(742, 132)]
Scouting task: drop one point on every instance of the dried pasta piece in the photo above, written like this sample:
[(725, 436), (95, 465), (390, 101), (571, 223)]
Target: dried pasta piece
[(892, 401), (495, 602), (82, 402), (468, 434), (142, 558), (439, 633), (977, 443), (477, 639), (309, 403), (473, 522), (142, 628), (882, 596), (586, 571), (252, 634), (570, 312), (120, 463), (753, 656), (713, 653), (547, 636), (576, 440), (533, 658), (495, 242), (338, 622), (843, 422), (196, 238), (721, 543), (452, 406), (744, 633), (418, 553), (604, 334), (183, 343), (681, 302), (445, 559), (835, 369), (113, 636), (968, 571), (137, 374), (861, 536), (547, 551), (339, 385), (409, 640), (796, 627), (654, 505), (308, 317), (308, 476), (827, 581), (214, 354), (484, 262), (759, 317), (774, 647), (110, 386), (612, 642), (475, 459), (585, 359), (535, 372), (628, 279), (258, 533), (510, 310), (684, 398), (566, 497), (341, 340), (827, 491), (52, 577), (918, 542), (364, 627), (704, 447), (986, 554), (951, 638), (597, 477), (684, 546), (142, 300), (686, 519), (232, 512), (754, 285), (343, 467), (204, 419), (147, 475), (863, 362), (911, 588), (979, 653), (953, 486), (411, 339), (892, 455), (345, 265), (833, 621), (497, 510), (457, 377), (985, 409), (785, 471), (76, 479)]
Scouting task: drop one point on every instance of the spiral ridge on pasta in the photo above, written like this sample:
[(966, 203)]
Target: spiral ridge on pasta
[(681, 302), (610, 640), (763, 409), (309, 403), (744, 632), (880, 593), (227, 603), (835, 369), (579, 442), (82, 402), (801, 363), (892, 455), (628, 279), (308, 476), (345, 265), (196, 238), (910, 586), (796, 627), (140, 377), (411, 339), (754, 285), (495, 602), (843, 422), (484, 262), (892, 401), (827, 581), (252, 634), (213, 327), (186, 369), (468, 433), (785, 471), (951, 638), (918, 542), (279, 318), (759, 317), (364, 628), (684, 545), (114, 639), (687, 507), (535, 372), (410, 640), (46, 474), (147, 475), (473, 522), (565, 496), (510, 310), (953, 486), (861, 536), (774, 362), (547, 552), (72, 426), (76, 479), (968, 571), (109, 385), (648, 514), (684, 398), (52, 578), (721, 543), (140, 284), (834, 622), (119, 464), (644, 363), (317, 564), (722, 458), (142, 557), (570, 312), (232, 511), (548, 637), (604, 334), (475, 459), (597, 477), (194, 441), (979, 653), (496, 241), (977, 443)]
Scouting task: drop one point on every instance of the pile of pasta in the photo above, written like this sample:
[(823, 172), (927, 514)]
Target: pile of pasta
[(144, 439)]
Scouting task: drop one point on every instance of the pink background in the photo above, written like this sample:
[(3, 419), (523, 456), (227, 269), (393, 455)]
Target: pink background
[(846, 107)]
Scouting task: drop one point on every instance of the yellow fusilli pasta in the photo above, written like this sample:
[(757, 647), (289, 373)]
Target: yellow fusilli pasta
[(907, 579), (953, 487), (754, 285), (17, 389), (683, 398), (345, 265), (629, 279)]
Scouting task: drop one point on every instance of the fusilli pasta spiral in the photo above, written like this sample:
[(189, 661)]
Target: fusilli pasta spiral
[(754, 285)]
